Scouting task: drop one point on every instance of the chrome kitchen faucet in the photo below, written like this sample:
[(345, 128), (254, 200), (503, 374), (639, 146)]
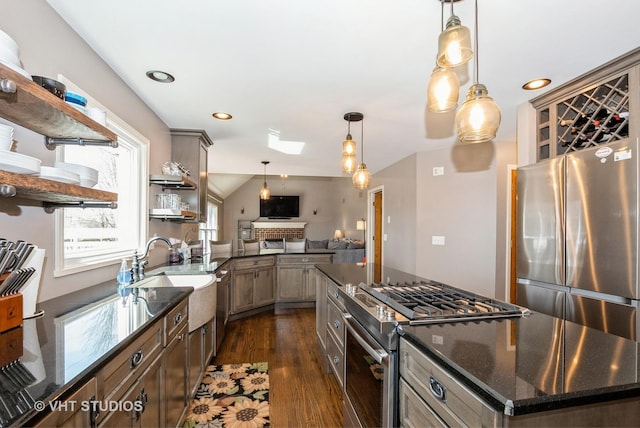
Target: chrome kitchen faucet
[(137, 262)]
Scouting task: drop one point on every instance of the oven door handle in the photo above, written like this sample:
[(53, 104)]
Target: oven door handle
[(365, 340)]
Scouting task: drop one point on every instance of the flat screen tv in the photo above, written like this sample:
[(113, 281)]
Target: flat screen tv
[(280, 207)]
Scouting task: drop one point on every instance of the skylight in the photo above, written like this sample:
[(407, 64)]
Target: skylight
[(287, 147)]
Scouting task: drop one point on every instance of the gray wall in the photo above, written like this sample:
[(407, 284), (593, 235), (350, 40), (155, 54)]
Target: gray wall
[(48, 47), (399, 193), (467, 205), (339, 205)]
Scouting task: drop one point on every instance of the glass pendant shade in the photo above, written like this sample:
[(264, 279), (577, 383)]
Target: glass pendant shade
[(443, 90), (479, 117), (265, 193), (349, 146), (454, 44), (348, 163), (362, 177)]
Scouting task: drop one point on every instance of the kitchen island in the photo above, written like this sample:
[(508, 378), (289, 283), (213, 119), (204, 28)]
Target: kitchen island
[(527, 370)]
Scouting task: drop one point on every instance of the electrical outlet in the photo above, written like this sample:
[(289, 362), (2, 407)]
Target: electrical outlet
[(438, 170), (437, 240)]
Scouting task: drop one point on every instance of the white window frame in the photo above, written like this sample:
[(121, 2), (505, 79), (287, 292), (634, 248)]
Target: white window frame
[(139, 181)]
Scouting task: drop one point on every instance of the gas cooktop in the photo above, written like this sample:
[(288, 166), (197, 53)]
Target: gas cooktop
[(425, 301)]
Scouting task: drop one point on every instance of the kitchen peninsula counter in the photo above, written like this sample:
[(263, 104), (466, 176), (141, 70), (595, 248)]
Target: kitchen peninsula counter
[(522, 366), (77, 335)]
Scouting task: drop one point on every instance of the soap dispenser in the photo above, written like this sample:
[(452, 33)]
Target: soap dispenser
[(124, 274)]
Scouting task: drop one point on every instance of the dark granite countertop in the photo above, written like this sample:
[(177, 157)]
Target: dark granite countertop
[(521, 365), (77, 335)]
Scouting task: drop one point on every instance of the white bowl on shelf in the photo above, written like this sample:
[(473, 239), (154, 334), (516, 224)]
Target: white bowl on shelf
[(6, 143), (88, 176), (8, 42), (59, 174), (16, 68), (9, 56), (19, 163)]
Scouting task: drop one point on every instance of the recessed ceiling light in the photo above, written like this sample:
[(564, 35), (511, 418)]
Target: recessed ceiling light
[(222, 115), (534, 84), (160, 76)]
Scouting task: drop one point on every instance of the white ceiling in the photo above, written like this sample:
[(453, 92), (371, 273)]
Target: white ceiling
[(299, 66)]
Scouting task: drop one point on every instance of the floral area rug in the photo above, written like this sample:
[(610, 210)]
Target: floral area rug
[(231, 396)]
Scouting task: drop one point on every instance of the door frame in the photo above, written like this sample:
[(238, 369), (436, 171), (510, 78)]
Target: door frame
[(371, 212)]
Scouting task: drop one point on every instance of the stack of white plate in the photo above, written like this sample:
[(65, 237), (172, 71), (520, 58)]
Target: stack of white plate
[(6, 137), (19, 163), (10, 55), (59, 174), (88, 176)]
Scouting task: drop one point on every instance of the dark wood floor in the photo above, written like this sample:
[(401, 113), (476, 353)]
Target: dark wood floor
[(301, 393)]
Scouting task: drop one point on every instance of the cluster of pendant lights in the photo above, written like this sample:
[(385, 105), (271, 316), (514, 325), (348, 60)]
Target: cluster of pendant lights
[(478, 119), (362, 176)]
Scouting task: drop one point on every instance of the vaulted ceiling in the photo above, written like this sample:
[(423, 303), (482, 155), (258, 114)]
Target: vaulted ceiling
[(297, 67)]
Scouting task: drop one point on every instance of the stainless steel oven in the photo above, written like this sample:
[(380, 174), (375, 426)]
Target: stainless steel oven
[(370, 379)]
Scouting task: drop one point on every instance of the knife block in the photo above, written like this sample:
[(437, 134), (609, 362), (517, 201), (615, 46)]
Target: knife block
[(10, 312), (11, 346)]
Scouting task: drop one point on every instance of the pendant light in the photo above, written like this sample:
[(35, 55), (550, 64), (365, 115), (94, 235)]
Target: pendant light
[(349, 145), (443, 89), (454, 43), (265, 193), (478, 119), (362, 177)]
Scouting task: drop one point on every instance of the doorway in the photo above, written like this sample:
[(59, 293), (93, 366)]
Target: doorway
[(375, 239)]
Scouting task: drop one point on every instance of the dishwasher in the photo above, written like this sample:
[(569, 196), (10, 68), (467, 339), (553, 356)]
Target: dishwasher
[(222, 306)]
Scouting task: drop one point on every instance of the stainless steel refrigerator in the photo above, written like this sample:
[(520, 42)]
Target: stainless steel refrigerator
[(577, 237)]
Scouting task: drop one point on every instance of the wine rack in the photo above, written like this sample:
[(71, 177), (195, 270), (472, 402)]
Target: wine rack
[(596, 116), (594, 109)]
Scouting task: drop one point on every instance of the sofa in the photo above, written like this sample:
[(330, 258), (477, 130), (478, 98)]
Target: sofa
[(345, 250)]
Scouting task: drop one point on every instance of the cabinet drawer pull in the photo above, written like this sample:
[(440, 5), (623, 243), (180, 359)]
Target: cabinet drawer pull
[(137, 358), (337, 294), (336, 360), (437, 389), (177, 318), (336, 323), (305, 259), (141, 403), (94, 413)]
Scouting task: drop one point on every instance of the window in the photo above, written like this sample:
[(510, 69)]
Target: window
[(92, 237), (210, 231)]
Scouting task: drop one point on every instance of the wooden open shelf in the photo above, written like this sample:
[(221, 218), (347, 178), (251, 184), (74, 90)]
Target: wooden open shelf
[(41, 189), (35, 108)]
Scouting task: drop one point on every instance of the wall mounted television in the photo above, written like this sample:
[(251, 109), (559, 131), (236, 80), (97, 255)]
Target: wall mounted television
[(280, 207)]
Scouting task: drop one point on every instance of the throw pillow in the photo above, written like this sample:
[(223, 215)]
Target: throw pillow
[(337, 245), (317, 245), (355, 245)]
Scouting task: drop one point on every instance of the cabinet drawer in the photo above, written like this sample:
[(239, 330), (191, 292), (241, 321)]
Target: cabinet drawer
[(335, 322), (254, 262), (299, 259), (334, 295), (73, 413), (457, 405), (123, 369), (175, 320), (414, 412), (335, 355)]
